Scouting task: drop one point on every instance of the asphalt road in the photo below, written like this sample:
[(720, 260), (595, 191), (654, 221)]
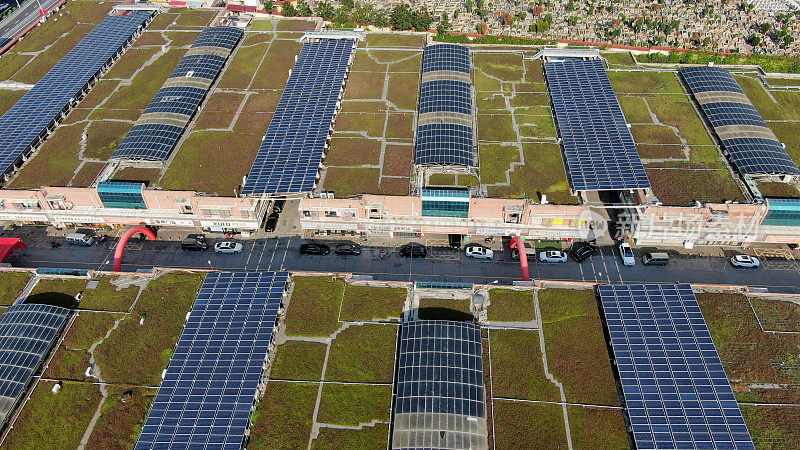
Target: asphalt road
[(26, 14), (441, 264)]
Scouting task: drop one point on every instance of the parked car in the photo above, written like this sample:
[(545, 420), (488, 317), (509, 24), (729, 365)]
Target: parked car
[(655, 259), (454, 240), (583, 252), (277, 207), (348, 248), (80, 239), (314, 249), (228, 247), (194, 242), (413, 250), (745, 261), (626, 253), (478, 251), (553, 256), (272, 222)]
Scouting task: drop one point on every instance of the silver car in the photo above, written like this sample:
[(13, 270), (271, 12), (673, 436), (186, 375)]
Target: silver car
[(745, 261), (228, 247), (478, 251), (553, 256)]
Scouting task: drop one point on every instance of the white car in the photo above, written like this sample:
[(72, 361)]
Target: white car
[(553, 256), (478, 251), (228, 247), (745, 261), (626, 253)]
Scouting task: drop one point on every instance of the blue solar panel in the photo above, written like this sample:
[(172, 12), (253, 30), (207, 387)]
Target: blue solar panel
[(27, 333), (676, 392), (598, 147), (446, 57), (290, 154), (26, 123), (181, 95), (445, 95), (755, 154), (445, 144), (211, 383)]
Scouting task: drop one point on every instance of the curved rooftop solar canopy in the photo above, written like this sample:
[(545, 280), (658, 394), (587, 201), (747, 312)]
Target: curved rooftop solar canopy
[(749, 143), (446, 57), (440, 399), (27, 121), (211, 383), (27, 333), (291, 152), (598, 147), (445, 122), (676, 392), (156, 132)]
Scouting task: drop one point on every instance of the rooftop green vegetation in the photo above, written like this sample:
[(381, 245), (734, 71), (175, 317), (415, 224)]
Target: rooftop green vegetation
[(770, 63), (11, 286)]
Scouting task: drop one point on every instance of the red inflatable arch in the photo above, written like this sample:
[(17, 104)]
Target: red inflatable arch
[(516, 242), (124, 240)]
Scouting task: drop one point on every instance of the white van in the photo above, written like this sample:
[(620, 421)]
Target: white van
[(80, 239)]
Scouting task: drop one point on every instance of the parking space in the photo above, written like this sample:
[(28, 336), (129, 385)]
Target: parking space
[(777, 259)]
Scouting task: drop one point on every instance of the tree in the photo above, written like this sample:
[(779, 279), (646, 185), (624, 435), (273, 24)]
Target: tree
[(288, 10), (401, 18), (764, 27), (444, 24), (325, 10), (303, 9), (572, 20), (570, 6), (754, 40), (468, 5), (421, 20), (379, 19), (342, 15), (349, 4)]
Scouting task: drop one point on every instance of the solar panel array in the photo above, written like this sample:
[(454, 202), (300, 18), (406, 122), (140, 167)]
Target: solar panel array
[(749, 143), (676, 392), (155, 134), (27, 333), (26, 123), (211, 383), (291, 152), (440, 399), (598, 147), (445, 124)]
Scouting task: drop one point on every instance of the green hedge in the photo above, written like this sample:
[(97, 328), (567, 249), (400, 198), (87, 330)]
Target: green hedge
[(769, 63), (505, 40)]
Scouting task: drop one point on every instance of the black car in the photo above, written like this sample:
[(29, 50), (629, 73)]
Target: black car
[(314, 249), (194, 242), (272, 222), (413, 250), (583, 252), (348, 248), (277, 207)]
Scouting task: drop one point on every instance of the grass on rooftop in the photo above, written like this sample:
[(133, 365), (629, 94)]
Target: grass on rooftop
[(181, 38), (504, 66), (682, 186), (314, 307), (517, 368), (400, 126), (364, 85), (395, 40), (773, 426), (102, 138), (597, 427), (543, 173), (120, 422), (769, 108), (351, 181), (163, 21), (353, 404), (130, 62), (497, 127), (261, 25), (146, 83), (392, 56), (11, 285), (750, 355), (778, 190), (295, 25), (488, 100), (219, 110), (511, 306), (8, 98), (777, 315), (363, 353), (107, 113), (442, 179), (71, 357), (263, 101), (353, 152), (657, 151), (787, 132), (12, 62), (524, 99), (495, 160), (403, 89), (654, 134), (398, 160), (163, 305), (87, 173), (147, 176), (635, 110), (539, 126), (242, 67), (394, 186), (411, 64), (98, 94), (44, 61), (365, 303), (367, 437), (41, 36), (619, 58), (534, 71), (573, 335), (277, 62), (644, 82), (371, 124), (54, 420), (284, 416), (363, 62), (678, 112), (105, 297), (54, 163), (196, 165), (298, 360), (485, 83), (194, 18), (528, 425), (150, 38)]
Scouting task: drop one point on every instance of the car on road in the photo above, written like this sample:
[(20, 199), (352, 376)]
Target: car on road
[(746, 261), (413, 250), (626, 253), (347, 248), (195, 242), (277, 207), (228, 247), (272, 222), (478, 251), (553, 256), (313, 248), (583, 252)]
